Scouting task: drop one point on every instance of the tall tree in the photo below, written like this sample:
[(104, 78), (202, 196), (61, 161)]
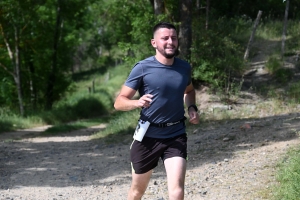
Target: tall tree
[(158, 7), (38, 54), (207, 13), (12, 19), (53, 67), (286, 14), (185, 29)]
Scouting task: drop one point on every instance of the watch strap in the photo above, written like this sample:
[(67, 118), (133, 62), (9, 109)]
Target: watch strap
[(193, 106)]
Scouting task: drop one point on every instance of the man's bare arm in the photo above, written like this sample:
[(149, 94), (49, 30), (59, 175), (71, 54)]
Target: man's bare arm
[(125, 102), (190, 99), (189, 95)]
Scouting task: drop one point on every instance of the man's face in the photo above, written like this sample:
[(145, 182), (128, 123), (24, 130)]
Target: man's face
[(165, 42)]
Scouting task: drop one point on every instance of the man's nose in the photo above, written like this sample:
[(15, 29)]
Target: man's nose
[(170, 40)]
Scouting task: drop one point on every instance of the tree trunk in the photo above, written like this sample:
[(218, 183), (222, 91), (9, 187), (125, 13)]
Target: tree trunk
[(17, 71), (158, 7), (207, 14), (185, 29), (198, 8), (31, 75), (15, 62), (52, 75), (286, 14), (246, 55), (198, 4)]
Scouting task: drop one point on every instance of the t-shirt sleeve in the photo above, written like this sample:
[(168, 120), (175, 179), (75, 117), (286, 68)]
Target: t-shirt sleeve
[(135, 77)]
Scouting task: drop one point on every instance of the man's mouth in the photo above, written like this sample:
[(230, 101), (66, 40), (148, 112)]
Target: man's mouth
[(170, 48)]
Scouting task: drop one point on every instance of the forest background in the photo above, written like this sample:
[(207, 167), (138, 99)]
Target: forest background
[(63, 62), (47, 46)]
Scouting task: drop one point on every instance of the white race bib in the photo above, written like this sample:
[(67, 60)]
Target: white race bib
[(141, 130)]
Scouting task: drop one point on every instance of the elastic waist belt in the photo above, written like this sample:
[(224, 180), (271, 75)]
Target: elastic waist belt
[(162, 125)]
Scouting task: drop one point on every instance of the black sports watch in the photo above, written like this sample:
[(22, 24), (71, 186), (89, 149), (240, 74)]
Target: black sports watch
[(193, 106)]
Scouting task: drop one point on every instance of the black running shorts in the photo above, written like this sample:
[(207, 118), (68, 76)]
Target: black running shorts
[(145, 155)]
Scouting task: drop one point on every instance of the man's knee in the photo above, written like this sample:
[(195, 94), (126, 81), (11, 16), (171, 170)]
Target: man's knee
[(136, 193), (176, 193)]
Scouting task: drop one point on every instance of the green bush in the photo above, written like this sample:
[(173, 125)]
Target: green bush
[(79, 106), (293, 92), (269, 29), (273, 64), (89, 107), (5, 126), (12, 121), (274, 67), (216, 59), (283, 75)]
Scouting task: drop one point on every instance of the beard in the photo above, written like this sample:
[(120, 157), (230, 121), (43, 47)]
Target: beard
[(163, 52)]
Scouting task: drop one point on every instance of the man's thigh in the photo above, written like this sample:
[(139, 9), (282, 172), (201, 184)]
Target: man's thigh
[(175, 157), (176, 169)]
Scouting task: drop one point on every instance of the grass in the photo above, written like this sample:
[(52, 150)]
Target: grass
[(81, 124), (120, 127), (10, 121), (83, 103), (269, 107), (79, 104), (289, 177), (270, 29)]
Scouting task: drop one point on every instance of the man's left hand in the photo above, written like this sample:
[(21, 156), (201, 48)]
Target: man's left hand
[(194, 116)]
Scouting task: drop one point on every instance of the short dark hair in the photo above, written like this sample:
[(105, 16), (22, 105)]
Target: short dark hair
[(163, 25)]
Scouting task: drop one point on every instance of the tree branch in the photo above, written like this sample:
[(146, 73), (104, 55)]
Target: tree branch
[(10, 53), (5, 68)]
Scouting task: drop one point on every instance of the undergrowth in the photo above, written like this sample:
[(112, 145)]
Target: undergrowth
[(289, 177)]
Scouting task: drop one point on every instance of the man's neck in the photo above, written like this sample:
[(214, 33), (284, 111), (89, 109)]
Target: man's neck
[(163, 60)]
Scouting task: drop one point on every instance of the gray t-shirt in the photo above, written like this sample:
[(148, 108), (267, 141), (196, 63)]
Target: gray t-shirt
[(167, 85)]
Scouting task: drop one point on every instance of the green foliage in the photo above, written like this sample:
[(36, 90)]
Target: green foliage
[(284, 75), (273, 64), (268, 29), (7, 92), (293, 40), (10, 121), (216, 58), (122, 124), (78, 103), (91, 107), (62, 128), (79, 107), (81, 124), (45, 47), (273, 9), (289, 177), (95, 34), (293, 92), (139, 46)]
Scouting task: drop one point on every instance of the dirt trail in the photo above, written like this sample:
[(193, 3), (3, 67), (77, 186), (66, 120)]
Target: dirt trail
[(226, 161)]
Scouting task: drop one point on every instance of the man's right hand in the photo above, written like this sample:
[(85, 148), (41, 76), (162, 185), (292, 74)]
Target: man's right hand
[(125, 102), (145, 101)]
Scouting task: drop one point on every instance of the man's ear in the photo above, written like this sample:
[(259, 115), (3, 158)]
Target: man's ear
[(153, 43)]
